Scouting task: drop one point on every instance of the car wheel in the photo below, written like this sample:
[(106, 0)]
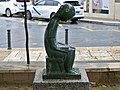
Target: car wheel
[(8, 13), (29, 16), (52, 14)]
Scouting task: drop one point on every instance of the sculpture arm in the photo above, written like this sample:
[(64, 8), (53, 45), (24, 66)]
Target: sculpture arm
[(64, 45), (54, 45)]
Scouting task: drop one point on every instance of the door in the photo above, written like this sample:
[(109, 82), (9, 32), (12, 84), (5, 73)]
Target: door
[(44, 8), (49, 7), (38, 9), (2, 6)]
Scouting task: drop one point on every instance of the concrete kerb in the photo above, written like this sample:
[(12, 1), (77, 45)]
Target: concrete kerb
[(101, 75), (104, 22)]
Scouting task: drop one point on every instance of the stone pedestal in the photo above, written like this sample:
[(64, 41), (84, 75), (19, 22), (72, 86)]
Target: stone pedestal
[(61, 84)]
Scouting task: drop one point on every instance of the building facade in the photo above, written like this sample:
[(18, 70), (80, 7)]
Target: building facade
[(109, 9)]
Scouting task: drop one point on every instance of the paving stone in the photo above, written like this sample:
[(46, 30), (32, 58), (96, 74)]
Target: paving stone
[(105, 58), (82, 65), (100, 53), (116, 57), (90, 58)]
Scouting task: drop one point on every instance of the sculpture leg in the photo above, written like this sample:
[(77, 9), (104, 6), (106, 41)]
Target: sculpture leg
[(69, 61), (55, 62)]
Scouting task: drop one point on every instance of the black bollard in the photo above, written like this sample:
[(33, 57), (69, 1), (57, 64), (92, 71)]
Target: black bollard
[(66, 36), (9, 39)]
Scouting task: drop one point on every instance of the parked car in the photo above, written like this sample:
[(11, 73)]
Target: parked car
[(47, 8), (10, 7)]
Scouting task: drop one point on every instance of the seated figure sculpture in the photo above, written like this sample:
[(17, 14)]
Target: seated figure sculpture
[(60, 58)]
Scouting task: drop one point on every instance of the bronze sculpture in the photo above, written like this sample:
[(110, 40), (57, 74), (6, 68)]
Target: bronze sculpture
[(60, 58)]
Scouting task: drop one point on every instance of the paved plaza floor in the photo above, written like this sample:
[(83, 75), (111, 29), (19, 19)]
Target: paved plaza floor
[(86, 57), (82, 54)]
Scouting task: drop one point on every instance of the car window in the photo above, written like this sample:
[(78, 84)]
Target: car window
[(74, 3), (22, 0), (49, 3), (52, 3), (56, 3), (4, 0), (40, 3)]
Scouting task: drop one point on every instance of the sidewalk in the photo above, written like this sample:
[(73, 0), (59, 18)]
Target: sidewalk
[(90, 58), (101, 21)]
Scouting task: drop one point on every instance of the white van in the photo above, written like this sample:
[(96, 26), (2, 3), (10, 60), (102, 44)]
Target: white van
[(10, 7), (47, 8)]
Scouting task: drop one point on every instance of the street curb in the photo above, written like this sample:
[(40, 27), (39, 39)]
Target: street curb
[(100, 22)]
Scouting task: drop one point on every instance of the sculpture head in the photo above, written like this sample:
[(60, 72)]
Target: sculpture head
[(65, 12)]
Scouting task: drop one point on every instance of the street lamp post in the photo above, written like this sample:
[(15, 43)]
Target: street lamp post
[(26, 32)]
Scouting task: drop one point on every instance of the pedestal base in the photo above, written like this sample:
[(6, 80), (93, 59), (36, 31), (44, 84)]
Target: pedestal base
[(64, 76), (60, 84)]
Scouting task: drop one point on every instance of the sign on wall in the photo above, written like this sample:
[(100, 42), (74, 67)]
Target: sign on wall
[(117, 1), (100, 4)]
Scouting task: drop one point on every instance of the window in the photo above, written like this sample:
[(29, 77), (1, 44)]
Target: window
[(22, 0), (100, 6), (3, 0), (56, 3), (49, 3), (117, 1), (40, 3), (74, 3)]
